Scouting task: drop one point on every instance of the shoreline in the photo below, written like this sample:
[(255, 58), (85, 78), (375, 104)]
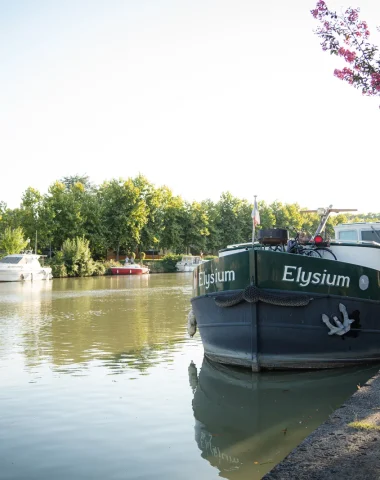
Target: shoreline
[(346, 446)]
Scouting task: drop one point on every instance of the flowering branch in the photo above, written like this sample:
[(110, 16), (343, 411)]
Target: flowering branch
[(338, 31)]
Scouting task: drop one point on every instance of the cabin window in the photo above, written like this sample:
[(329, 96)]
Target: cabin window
[(348, 235), (371, 236), (13, 260)]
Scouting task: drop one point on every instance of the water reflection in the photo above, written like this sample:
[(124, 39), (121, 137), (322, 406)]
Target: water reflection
[(75, 324), (245, 423)]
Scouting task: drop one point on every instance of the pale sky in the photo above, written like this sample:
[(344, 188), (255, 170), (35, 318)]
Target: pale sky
[(204, 96)]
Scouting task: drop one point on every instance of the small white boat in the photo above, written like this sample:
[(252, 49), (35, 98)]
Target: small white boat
[(23, 267), (189, 262)]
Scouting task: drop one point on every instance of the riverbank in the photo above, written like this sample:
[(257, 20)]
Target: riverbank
[(346, 446)]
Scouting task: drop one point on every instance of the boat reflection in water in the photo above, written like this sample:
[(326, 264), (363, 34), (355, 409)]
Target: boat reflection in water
[(246, 423)]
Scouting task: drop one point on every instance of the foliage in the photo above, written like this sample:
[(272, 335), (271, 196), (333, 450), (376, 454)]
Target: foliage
[(132, 214), (155, 266), (233, 221), (346, 36), (72, 180), (194, 227), (154, 199), (77, 257), (13, 241), (58, 266), (124, 214), (169, 262), (99, 268), (172, 223), (142, 256)]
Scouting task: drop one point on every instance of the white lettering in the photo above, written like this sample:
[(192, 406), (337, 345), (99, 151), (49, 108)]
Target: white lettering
[(304, 278), (286, 273), (299, 270), (229, 276), (345, 280), (329, 282), (205, 280)]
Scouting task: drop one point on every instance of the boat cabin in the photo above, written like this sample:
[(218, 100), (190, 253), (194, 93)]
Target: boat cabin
[(358, 232), (15, 259), (188, 263)]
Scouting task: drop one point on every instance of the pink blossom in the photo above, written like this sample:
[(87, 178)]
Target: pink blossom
[(348, 30), (353, 15), (375, 81), (345, 74), (348, 56)]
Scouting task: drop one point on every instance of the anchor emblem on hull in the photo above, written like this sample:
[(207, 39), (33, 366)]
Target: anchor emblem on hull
[(339, 328)]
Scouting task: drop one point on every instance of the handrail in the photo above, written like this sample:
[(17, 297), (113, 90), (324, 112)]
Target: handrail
[(367, 242)]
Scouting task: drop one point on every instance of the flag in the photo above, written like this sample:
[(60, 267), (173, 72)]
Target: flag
[(255, 214)]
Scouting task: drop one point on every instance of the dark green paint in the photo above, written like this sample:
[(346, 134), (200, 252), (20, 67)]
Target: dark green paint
[(270, 274), (271, 266), (238, 263)]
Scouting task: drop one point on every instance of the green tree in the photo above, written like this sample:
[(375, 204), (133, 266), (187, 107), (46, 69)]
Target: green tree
[(234, 220), (194, 227), (267, 217), (72, 211), (13, 241), (173, 222), (212, 241), (124, 214), (72, 180), (77, 258), (154, 200)]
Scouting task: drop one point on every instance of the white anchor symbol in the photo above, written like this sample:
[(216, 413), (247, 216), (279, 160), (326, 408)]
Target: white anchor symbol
[(341, 328)]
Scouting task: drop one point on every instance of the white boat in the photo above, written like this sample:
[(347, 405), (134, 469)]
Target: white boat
[(23, 267), (189, 262), (357, 243)]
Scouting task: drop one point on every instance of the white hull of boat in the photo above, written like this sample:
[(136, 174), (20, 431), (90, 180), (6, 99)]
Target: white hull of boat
[(25, 276), (186, 268), (23, 267), (189, 263)]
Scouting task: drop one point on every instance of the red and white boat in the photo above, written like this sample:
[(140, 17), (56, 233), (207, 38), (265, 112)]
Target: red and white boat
[(130, 269)]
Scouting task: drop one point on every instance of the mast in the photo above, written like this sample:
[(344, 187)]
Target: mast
[(324, 214)]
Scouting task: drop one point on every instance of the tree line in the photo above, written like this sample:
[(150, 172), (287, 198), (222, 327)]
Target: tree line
[(133, 215)]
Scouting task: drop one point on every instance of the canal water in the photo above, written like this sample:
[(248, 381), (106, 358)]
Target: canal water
[(99, 380)]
